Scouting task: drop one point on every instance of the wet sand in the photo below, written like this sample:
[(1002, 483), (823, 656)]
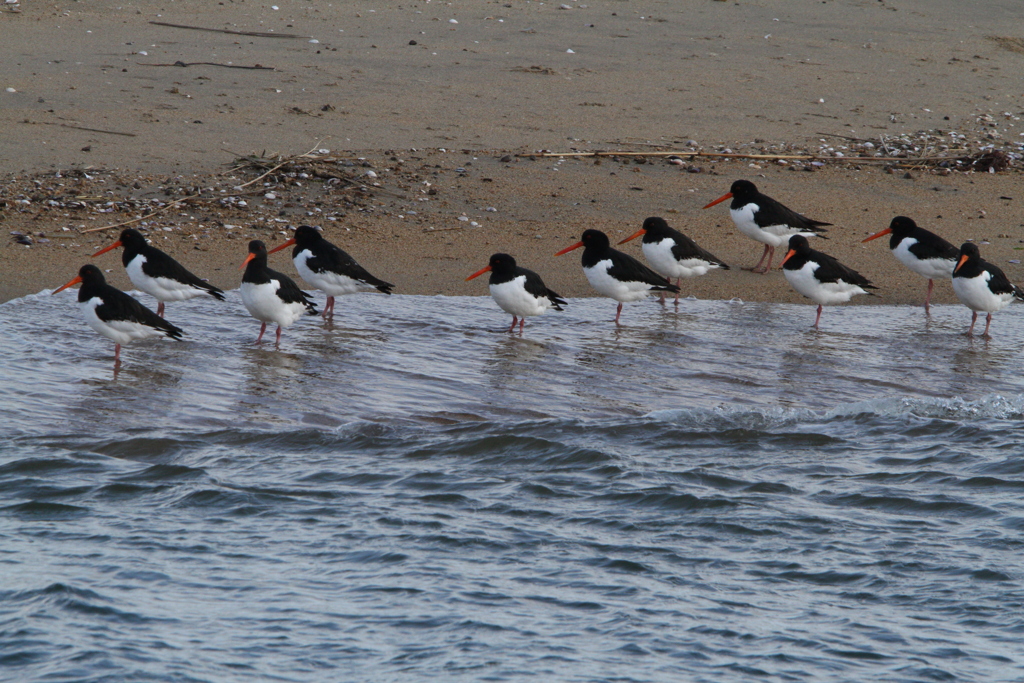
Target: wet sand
[(641, 76)]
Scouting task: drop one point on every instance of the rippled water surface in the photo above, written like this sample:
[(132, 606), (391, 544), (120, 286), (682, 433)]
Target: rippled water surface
[(709, 493)]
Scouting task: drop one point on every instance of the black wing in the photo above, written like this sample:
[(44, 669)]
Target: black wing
[(628, 269), (771, 212), (333, 259), (159, 264), (119, 306), (536, 287), (999, 283), (685, 248), (931, 246), (831, 270), (290, 293)]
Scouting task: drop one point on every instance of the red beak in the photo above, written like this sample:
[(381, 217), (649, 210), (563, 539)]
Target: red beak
[(248, 258), (104, 250), (876, 235), (636, 234), (281, 246), (570, 248), (486, 269), (727, 195), (788, 254), (74, 281), (958, 264)]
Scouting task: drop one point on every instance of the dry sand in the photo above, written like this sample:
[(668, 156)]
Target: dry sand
[(645, 75)]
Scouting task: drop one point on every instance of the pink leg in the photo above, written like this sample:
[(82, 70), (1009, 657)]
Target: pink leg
[(277, 342), (618, 312), (328, 311), (928, 298), (160, 309), (522, 321), (263, 328), (661, 298), (512, 327), (756, 269), (117, 354), (818, 317), (771, 255), (679, 286), (988, 321), (974, 318)]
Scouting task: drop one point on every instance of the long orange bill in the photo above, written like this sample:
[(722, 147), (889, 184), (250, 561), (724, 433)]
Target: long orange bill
[(104, 250), (636, 234), (727, 195), (791, 252), (486, 269), (248, 258), (570, 248), (959, 263), (74, 281), (281, 246), (876, 235)]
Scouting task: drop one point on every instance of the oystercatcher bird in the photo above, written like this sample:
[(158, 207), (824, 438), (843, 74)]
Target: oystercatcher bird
[(922, 251), (981, 286), (270, 296), (673, 254), (761, 218), (616, 275), (820, 277), (114, 314), (327, 267), (517, 290), (156, 273)]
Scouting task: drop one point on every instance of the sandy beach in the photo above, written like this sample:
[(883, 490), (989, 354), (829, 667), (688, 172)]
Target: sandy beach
[(426, 122)]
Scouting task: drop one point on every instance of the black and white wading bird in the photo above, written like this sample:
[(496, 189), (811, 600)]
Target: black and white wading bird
[(981, 286), (114, 314), (517, 290), (156, 273), (328, 268), (761, 218), (922, 251), (820, 277), (270, 296), (614, 274), (673, 254)]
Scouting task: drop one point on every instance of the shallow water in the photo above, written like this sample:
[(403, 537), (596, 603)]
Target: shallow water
[(713, 492)]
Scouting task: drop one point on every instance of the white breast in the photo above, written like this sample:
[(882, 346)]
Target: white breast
[(824, 293), (659, 255), (333, 284), (117, 331), (975, 294), (160, 288), (513, 298), (265, 305), (613, 288), (772, 235), (933, 269)]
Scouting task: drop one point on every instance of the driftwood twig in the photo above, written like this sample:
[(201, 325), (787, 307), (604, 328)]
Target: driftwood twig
[(226, 66), (149, 215), (258, 34)]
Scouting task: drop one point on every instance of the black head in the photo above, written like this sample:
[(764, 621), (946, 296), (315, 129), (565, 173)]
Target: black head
[(132, 239), (91, 275), (799, 244), (969, 256), (656, 226), (306, 235), (257, 248), (594, 239), (743, 189), (502, 263), (901, 226)]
